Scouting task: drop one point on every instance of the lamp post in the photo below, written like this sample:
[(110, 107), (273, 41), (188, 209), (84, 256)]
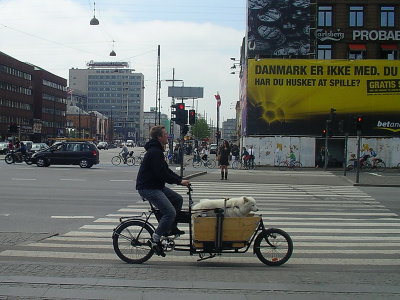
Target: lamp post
[(171, 125)]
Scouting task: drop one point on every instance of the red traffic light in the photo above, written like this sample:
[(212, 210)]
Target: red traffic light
[(359, 119), (180, 106)]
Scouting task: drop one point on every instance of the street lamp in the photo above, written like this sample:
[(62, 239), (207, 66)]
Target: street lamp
[(94, 21)]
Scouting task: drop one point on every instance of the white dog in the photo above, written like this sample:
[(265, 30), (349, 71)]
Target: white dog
[(235, 207)]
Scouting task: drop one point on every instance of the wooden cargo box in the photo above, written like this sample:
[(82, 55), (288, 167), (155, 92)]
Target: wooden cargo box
[(234, 228)]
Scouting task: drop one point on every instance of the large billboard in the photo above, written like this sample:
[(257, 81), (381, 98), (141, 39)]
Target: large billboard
[(295, 96), (278, 28)]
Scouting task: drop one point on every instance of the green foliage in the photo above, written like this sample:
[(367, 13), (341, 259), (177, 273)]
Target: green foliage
[(200, 130)]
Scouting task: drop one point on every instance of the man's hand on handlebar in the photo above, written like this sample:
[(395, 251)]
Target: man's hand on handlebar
[(185, 182)]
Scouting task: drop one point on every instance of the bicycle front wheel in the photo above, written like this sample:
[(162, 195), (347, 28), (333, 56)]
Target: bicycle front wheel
[(380, 166), (283, 165), (211, 164), (130, 161), (130, 242), (273, 247), (297, 164), (116, 160)]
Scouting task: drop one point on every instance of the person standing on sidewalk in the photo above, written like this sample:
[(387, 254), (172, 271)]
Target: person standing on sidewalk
[(223, 159), (251, 160), (153, 174)]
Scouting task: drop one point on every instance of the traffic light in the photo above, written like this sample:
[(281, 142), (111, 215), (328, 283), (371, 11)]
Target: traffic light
[(192, 117), (180, 113), (323, 133), (359, 123)]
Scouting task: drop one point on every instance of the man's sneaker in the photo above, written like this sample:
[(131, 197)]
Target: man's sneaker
[(157, 247), (175, 231)]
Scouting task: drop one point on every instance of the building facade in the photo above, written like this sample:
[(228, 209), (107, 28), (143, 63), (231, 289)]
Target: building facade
[(285, 102), (32, 101), (229, 130), (115, 90)]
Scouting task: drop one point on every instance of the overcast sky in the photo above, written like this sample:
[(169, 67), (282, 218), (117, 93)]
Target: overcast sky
[(197, 38)]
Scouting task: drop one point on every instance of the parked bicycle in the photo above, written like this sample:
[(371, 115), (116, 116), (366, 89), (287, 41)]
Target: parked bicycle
[(139, 159), (240, 164), (209, 237), (208, 163), (118, 159), (289, 164)]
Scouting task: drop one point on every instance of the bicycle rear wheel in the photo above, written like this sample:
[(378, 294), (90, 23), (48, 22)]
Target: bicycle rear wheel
[(273, 247), (130, 241), (196, 163), (237, 164), (130, 161), (138, 161), (116, 160)]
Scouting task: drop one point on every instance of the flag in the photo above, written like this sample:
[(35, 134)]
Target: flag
[(218, 100)]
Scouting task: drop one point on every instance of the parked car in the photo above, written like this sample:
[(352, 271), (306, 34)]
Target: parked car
[(84, 154), (3, 147), (213, 148), (130, 143), (36, 147), (102, 145)]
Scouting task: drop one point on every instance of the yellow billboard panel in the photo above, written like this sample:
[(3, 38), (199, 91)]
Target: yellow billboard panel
[(289, 91)]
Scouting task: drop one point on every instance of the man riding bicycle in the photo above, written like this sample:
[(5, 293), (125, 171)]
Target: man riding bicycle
[(150, 183)]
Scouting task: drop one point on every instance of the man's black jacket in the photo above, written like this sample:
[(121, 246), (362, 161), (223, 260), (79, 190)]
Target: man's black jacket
[(154, 171)]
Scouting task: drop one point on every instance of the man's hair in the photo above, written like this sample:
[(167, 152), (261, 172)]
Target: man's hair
[(156, 131)]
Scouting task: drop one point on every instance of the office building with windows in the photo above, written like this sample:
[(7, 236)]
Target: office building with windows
[(360, 29), (310, 68), (115, 90)]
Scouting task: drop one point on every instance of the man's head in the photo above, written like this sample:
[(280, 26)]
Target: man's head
[(159, 133)]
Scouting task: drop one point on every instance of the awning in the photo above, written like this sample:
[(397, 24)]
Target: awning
[(357, 47), (389, 47)]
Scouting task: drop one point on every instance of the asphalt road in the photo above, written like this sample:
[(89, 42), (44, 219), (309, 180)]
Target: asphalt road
[(56, 225)]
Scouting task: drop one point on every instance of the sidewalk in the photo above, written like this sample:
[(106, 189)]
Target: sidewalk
[(388, 178)]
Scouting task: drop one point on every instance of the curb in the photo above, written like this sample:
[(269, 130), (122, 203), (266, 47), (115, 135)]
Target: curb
[(376, 185), (194, 175)]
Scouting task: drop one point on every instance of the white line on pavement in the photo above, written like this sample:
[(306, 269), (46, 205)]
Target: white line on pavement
[(219, 259), (72, 179), (72, 217), (24, 179)]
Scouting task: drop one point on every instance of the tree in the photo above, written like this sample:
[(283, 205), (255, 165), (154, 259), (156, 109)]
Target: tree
[(200, 130)]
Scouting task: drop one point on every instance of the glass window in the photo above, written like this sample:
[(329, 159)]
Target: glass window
[(325, 16), (356, 54), (356, 16), (387, 16), (324, 52)]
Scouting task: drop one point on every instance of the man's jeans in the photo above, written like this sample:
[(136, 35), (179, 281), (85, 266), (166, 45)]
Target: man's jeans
[(168, 202)]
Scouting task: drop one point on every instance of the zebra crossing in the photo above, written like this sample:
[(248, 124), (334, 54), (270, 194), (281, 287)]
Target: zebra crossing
[(329, 225)]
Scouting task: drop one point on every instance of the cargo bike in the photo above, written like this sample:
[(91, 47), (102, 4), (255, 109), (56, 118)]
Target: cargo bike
[(208, 236)]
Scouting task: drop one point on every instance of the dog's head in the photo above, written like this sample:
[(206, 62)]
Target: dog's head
[(250, 202)]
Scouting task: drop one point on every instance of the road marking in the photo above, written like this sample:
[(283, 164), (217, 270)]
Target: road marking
[(24, 179), (72, 179), (375, 174), (185, 259), (5, 215), (121, 180), (72, 217)]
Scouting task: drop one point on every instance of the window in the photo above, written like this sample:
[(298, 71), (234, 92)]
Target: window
[(389, 52), (356, 16), (387, 16), (324, 52), (325, 16)]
